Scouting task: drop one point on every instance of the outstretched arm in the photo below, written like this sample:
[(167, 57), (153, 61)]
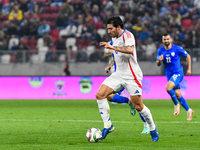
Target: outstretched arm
[(124, 49), (188, 59)]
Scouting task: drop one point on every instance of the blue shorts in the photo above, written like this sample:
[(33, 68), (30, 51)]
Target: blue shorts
[(176, 79)]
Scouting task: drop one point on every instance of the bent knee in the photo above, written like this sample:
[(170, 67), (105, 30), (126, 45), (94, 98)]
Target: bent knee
[(170, 85), (99, 96), (167, 88)]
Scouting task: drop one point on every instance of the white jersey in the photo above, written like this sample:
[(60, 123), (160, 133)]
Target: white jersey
[(126, 64)]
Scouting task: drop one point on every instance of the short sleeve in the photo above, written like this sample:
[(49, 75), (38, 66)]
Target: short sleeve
[(128, 39), (182, 52)]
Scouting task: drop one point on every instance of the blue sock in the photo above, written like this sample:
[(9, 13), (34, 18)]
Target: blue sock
[(173, 96), (183, 103), (119, 99), (142, 118)]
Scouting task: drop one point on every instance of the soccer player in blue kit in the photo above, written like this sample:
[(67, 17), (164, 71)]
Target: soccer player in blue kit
[(170, 54)]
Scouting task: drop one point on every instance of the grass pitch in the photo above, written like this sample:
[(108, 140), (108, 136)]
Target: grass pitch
[(62, 125)]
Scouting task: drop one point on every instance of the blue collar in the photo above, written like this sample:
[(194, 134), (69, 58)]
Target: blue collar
[(122, 33)]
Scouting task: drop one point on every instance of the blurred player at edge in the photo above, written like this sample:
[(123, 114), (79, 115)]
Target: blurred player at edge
[(170, 54), (128, 75), (115, 97)]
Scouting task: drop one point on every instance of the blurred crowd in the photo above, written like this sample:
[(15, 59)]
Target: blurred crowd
[(45, 28)]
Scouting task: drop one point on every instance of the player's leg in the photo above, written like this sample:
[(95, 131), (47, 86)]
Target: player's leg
[(170, 89), (146, 126), (109, 85), (111, 99), (135, 91), (117, 98), (184, 104), (145, 112), (104, 108), (121, 92), (121, 99)]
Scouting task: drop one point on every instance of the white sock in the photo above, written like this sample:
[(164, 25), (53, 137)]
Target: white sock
[(189, 110), (146, 124), (148, 117), (104, 110)]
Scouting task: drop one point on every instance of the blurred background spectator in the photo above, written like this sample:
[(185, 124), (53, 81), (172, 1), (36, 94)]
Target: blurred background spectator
[(16, 15), (80, 55), (44, 28), (55, 21)]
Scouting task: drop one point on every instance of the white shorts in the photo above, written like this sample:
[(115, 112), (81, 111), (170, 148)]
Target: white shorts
[(115, 82)]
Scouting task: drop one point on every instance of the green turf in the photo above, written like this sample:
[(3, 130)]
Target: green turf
[(62, 125)]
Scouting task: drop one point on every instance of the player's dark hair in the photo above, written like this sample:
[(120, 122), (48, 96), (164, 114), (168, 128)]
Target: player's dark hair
[(115, 21), (166, 34)]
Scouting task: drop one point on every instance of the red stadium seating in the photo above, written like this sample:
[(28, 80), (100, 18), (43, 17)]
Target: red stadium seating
[(38, 1), (1, 24), (44, 16), (99, 25), (59, 8), (174, 6), (4, 17), (12, 59), (4, 1), (25, 40), (53, 17), (186, 23), (87, 41), (55, 34), (194, 21), (32, 45), (47, 8), (80, 41), (32, 41), (54, 9)]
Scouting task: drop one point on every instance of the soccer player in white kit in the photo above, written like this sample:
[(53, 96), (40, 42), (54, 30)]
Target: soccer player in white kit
[(127, 75)]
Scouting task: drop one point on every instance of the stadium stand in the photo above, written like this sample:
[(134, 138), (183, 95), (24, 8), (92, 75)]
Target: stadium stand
[(186, 23), (93, 19)]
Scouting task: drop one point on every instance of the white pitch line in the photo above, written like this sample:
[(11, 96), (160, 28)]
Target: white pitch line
[(42, 120)]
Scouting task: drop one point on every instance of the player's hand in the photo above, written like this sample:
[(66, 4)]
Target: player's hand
[(106, 45), (188, 72), (107, 69), (160, 58)]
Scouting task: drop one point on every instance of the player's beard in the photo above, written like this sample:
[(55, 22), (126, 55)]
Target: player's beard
[(166, 44), (114, 34)]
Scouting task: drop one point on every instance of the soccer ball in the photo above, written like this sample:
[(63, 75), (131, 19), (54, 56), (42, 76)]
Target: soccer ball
[(94, 135)]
